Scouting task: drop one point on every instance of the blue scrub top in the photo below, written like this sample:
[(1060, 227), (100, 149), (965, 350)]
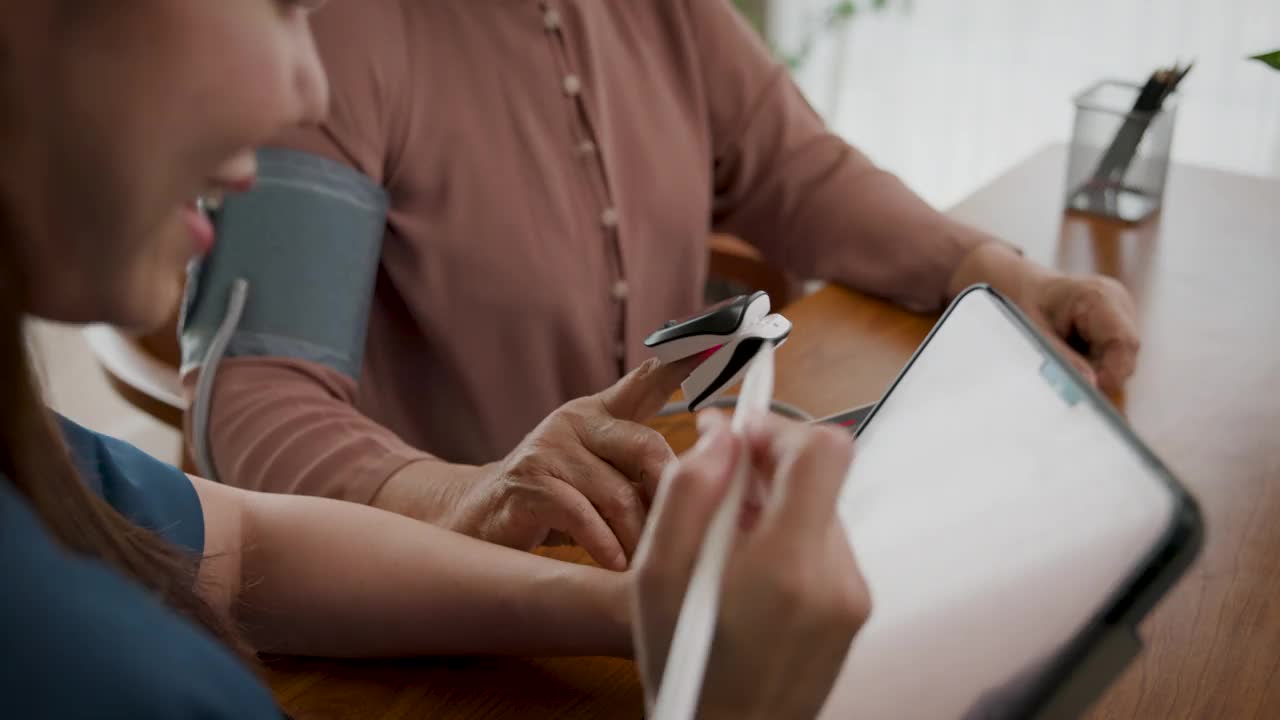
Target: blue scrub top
[(78, 640)]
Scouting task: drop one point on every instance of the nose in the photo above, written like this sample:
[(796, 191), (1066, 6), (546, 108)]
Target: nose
[(311, 81)]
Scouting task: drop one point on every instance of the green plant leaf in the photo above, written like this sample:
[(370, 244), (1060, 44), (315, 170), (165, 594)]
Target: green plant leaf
[(754, 11), (1271, 58), (837, 15), (844, 10)]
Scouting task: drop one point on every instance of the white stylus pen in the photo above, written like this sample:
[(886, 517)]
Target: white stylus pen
[(691, 644)]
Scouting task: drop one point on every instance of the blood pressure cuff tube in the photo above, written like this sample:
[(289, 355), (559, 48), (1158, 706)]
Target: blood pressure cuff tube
[(291, 275)]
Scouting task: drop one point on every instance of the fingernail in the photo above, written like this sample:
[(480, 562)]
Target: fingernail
[(758, 431), (706, 436), (713, 443), (709, 420)]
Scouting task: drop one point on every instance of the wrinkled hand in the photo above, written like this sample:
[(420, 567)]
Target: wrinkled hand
[(589, 470), (1091, 319), (792, 597), (1093, 322)]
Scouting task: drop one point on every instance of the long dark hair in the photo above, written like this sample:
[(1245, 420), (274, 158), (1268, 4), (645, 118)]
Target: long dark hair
[(35, 460)]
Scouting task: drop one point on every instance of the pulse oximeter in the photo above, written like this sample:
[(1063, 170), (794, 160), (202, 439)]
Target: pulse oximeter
[(728, 335)]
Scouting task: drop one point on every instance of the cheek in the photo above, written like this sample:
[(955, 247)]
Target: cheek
[(255, 101)]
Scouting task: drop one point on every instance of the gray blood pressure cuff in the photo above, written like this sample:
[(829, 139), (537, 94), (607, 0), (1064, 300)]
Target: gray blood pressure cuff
[(291, 275)]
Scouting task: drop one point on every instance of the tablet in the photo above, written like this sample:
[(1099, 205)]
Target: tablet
[(1012, 530)]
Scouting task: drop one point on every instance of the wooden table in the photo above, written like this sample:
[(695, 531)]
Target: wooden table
[(1206, 395)]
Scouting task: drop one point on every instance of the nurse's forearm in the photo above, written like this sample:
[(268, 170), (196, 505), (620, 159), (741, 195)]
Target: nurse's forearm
[(327, 578)]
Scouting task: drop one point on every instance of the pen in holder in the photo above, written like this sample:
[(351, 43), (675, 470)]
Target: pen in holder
[(1120, 145)]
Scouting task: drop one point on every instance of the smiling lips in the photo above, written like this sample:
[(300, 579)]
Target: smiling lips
[(199, 226), (195, 217)]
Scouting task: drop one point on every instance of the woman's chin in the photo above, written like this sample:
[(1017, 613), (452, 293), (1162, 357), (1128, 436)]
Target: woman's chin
[(152, 296), (147, 306)]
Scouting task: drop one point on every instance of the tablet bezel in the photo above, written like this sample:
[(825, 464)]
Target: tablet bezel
[(1104, 645)]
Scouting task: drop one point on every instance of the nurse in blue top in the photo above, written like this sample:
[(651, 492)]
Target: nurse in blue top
[(128, 590)]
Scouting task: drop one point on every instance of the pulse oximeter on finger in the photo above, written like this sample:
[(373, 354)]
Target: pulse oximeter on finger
[(729, 335)]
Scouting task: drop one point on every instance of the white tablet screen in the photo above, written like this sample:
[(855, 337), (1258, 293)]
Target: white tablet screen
[(994, 511)]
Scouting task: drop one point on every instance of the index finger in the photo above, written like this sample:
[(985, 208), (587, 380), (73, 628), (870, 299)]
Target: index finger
[(642, 392), (691, 491), (808, 465)]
